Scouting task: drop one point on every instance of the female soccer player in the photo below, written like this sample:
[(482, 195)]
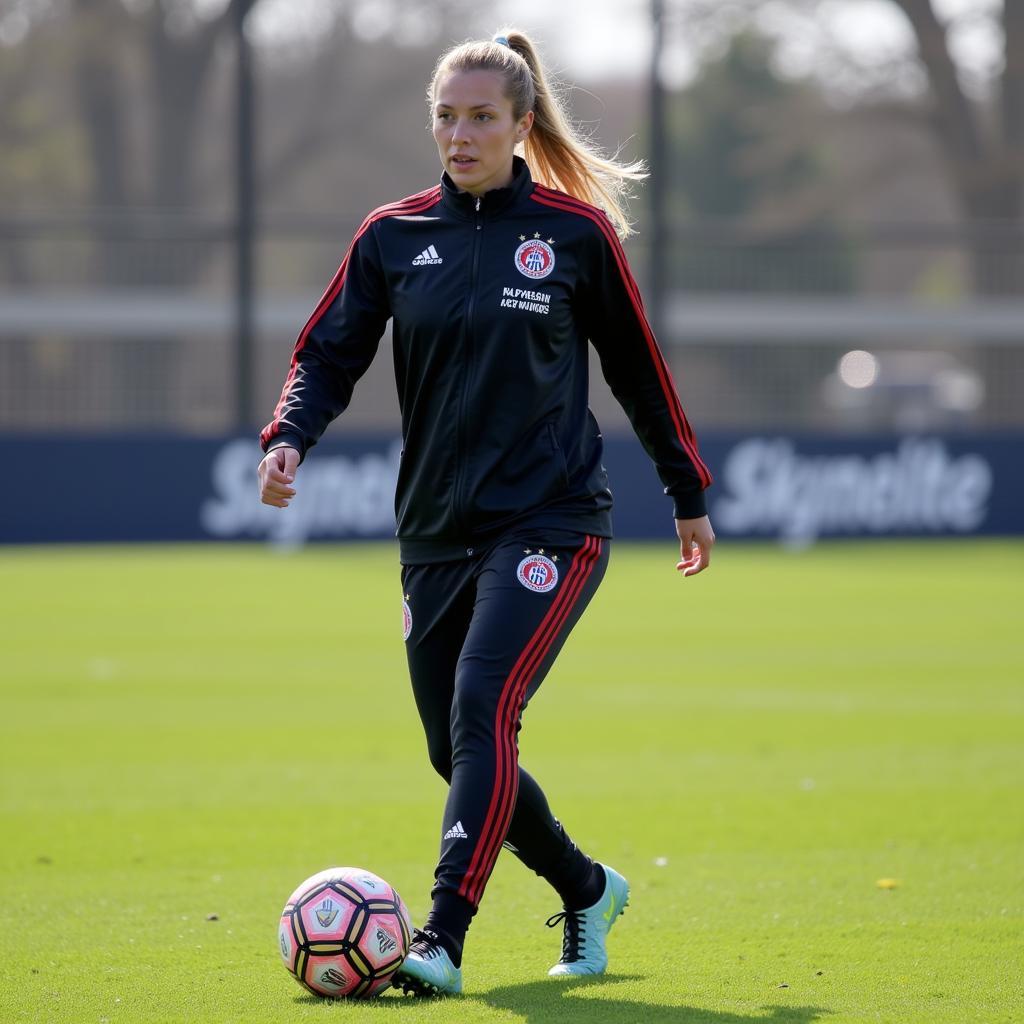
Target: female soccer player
[(495, 282)]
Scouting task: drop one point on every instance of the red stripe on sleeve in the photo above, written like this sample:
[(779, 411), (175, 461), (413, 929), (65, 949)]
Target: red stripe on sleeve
[(560, 201), (413, 204)]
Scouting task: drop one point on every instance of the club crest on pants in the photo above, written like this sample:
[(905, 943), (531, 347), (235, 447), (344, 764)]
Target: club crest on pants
[(406, 620), (537, 573)]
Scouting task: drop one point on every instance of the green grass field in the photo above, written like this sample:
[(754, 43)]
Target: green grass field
[(192, 731)]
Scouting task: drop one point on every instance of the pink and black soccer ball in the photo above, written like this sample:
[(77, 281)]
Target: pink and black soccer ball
[(344, 932)]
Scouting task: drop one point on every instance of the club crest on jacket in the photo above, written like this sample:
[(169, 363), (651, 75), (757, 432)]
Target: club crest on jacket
[(535, 259)]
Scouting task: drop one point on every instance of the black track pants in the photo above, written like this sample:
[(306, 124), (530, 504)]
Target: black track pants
[(481, 635)]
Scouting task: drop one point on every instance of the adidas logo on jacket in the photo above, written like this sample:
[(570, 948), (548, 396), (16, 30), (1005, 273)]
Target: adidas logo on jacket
[(427, 257)]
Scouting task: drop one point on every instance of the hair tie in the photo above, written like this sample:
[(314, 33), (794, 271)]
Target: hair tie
[(502, 41)]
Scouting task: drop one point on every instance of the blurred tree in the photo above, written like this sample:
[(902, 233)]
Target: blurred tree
[(149, 82), (161, 53), (984, 155), (734, 102), (39, 148), (734, 158), (141, 77), (117, 125), (982, 144), (745, 197), (960, 80)]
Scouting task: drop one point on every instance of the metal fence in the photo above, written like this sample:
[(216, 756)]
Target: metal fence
[(125, 322)]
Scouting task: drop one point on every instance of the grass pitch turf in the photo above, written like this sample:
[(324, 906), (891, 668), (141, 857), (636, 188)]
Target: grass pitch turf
[(191, 731)]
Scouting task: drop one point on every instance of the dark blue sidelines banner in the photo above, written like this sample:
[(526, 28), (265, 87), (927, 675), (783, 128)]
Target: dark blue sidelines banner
[(792, 488)]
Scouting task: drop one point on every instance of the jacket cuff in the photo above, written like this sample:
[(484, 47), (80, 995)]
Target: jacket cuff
[(287, 441), (692, 505)]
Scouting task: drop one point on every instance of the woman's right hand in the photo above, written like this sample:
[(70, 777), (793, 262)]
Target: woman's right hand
[(277, 471)]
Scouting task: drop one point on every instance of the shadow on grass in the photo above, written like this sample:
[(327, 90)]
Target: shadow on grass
[(541, 1002)]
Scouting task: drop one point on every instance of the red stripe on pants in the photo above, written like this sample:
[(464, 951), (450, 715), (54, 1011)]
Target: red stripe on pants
[(506, 781)]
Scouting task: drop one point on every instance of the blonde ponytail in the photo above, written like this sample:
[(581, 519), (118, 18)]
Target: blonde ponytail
[(558, 154)]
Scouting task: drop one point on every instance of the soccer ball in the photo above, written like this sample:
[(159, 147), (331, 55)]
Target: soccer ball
[(344, 932)]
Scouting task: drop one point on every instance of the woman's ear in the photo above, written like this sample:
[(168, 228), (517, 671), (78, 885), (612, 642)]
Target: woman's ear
[(524, 126)]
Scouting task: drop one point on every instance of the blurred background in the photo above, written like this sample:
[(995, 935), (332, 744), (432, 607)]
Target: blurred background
[(831, 248)]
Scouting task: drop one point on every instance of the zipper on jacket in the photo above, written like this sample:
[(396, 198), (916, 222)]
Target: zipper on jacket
[(460, 454)]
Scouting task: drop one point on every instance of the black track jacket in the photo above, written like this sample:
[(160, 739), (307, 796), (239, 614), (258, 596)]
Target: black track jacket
[(493, 300)]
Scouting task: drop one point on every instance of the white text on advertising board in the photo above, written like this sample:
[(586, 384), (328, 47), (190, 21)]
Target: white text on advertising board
[(768, 487)]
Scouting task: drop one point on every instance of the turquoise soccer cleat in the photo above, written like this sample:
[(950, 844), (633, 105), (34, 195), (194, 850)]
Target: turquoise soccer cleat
[(428, 969), (583, 940)]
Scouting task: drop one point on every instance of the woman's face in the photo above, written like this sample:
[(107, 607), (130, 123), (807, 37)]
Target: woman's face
[(475, 131)]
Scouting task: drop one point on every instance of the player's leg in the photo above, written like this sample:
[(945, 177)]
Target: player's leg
[(438, 622), (438, 607), (528, 598), (593, 895), (540, 842)]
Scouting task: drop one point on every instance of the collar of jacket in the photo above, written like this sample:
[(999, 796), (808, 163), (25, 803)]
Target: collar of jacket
[(463, 204)]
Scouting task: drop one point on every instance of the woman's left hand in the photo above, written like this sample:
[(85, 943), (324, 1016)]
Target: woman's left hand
[(696, 539)]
